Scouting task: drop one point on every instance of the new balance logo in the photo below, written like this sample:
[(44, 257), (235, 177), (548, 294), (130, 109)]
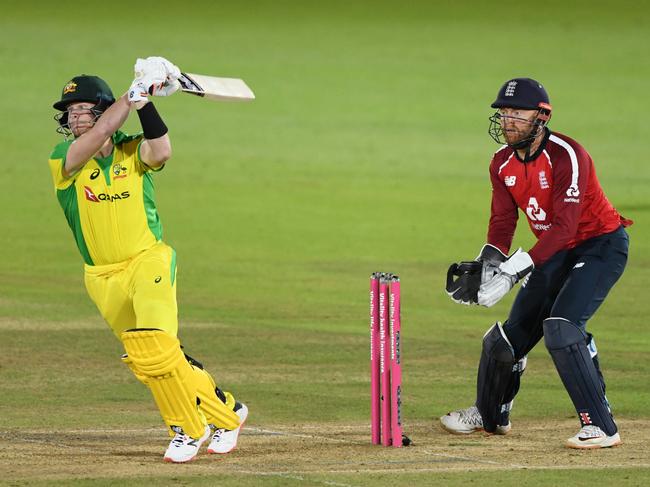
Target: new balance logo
[(510, 180)]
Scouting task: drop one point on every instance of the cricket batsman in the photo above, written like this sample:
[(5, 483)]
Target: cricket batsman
[(103, 179), (580, 253)]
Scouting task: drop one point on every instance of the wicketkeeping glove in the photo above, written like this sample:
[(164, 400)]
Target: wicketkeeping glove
[(464, 289), (508, 274), (471, 274)]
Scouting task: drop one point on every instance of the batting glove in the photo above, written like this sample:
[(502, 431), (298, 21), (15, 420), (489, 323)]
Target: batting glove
[(137, 92), (159, 76), (512, 270)]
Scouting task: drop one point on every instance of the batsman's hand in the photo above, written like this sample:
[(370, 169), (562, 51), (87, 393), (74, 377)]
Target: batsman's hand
[(158, 75), (518, 266)]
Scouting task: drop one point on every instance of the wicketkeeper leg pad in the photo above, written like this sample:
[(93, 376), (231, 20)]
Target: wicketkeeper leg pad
[(495, 377), (157, 356), (567, 344)]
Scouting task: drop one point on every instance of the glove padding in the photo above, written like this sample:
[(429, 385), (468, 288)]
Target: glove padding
[(157, 75), (137, 92), (464, 289), (512, 270), (471, 274)]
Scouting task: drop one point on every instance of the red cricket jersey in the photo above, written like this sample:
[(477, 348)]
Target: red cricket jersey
[(559, 193)]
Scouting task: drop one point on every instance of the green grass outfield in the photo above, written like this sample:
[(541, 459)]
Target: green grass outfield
[(366, 149)]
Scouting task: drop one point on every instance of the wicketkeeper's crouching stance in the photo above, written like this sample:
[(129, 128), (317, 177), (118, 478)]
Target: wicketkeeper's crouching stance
[(103, 180), (580, 253)]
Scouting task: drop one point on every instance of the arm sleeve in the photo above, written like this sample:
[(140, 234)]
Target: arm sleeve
[(570, 176), (503, 214), (143, 165), (56, 162)]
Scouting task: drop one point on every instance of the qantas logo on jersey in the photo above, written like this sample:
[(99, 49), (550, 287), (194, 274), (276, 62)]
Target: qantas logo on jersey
[(90, 196), (510, 180)]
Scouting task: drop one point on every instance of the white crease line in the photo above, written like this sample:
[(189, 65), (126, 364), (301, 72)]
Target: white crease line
[(295, 477), (302, 435)]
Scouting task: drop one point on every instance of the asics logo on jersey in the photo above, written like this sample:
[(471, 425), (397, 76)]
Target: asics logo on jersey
[(510, 180), (94, 174), (90, 196)]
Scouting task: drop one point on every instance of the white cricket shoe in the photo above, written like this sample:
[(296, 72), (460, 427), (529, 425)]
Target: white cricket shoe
[(591, 436), (225, 441), (184, 448), (466, 421)]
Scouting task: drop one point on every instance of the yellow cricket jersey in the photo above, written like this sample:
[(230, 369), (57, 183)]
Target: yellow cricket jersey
[(109, 203)]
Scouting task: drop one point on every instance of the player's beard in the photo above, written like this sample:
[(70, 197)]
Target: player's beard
[(515, 135)]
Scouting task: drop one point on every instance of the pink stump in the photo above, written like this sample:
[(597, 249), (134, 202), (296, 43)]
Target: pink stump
[(384, 360), (395, 362), (374, 359)]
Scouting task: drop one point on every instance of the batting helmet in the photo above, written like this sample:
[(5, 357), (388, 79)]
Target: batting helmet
[(85, 88), (82, 88), (524, 93)]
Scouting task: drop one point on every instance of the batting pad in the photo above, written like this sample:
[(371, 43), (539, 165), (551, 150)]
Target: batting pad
[(157, 356), (215, 410), (138, 375)]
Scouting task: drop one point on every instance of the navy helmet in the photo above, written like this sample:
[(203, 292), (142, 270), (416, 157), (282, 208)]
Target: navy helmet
[(525, 94)]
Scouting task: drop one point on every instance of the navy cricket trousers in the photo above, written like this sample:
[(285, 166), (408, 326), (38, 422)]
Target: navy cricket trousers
[(571, 285)]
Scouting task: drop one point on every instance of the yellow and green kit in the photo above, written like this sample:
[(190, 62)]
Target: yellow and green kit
[(110, 208), (130, 274)]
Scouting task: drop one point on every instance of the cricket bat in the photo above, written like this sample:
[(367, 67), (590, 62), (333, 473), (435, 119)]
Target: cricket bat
[(217, 89)]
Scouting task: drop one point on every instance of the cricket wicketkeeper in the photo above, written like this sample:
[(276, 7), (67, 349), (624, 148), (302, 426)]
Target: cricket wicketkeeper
[(580, 253), (104, 183)]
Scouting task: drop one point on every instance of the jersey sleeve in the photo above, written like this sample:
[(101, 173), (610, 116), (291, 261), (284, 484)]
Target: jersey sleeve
[(56, 163), (570, 175), (503, 213)]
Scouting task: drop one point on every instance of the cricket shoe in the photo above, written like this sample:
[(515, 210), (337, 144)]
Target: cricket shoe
[(591, 436), (183, 448), (466, 421), (225, 441)]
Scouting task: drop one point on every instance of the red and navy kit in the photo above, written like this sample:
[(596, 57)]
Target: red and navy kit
[(559, 193)]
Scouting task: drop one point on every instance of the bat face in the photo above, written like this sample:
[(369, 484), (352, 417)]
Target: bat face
[(213, 88)]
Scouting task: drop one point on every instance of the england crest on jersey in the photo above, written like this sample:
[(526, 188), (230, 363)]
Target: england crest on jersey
[(543, 182)]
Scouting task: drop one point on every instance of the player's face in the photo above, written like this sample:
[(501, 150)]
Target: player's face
[(516, 123), (80, 117)]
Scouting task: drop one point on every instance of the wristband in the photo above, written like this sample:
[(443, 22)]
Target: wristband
[(152, 125)]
